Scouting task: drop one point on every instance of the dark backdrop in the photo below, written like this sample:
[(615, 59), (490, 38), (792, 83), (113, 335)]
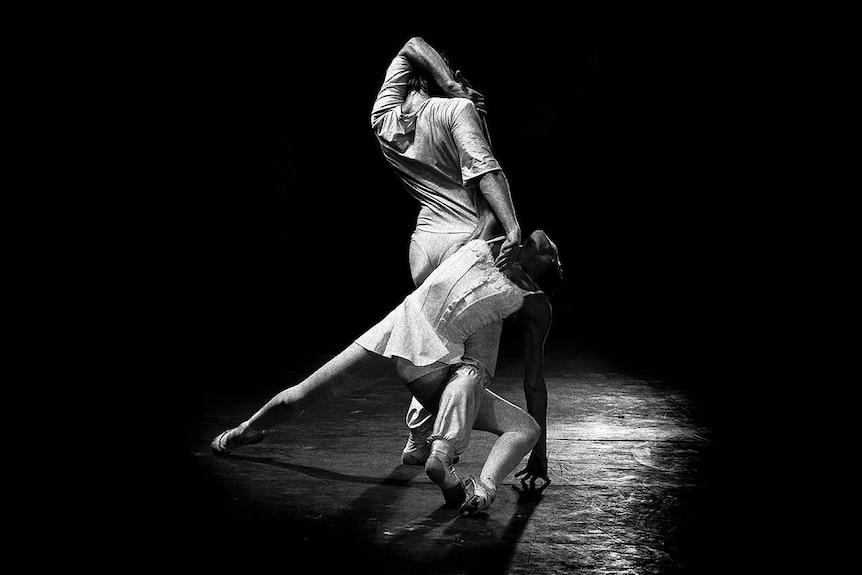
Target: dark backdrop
[(624, 143), (282, 234)]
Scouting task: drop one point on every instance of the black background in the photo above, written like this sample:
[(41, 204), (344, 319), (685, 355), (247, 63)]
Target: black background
[(278, 232), (630, 145)]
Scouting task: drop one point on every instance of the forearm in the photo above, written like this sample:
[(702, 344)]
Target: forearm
[(537, 405), (495, 189), (420, 54)]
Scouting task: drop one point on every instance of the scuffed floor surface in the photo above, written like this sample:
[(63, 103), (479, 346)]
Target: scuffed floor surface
[(631, 487)]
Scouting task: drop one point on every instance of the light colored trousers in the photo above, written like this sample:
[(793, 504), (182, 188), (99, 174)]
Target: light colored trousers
[(462, 396)]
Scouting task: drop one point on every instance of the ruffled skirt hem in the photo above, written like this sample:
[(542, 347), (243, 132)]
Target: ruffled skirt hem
[(405, 333)]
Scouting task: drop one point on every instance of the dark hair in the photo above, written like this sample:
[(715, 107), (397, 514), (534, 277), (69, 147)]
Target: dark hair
[(421, 80)]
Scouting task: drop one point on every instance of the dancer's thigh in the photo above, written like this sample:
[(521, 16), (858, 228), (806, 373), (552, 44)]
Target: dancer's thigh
[(498, 415), (429, 388), (352, 369)]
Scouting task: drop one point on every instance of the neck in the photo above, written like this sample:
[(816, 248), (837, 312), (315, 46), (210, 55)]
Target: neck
[(413, 101)]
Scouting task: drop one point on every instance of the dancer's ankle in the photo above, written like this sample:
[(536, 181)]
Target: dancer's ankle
[(439, 467), (444, 447), (245, 431), (489, 483)]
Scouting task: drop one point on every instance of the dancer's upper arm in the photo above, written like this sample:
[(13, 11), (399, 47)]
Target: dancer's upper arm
[(393, 92)]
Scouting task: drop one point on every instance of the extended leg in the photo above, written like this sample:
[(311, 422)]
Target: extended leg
[(351, 370)]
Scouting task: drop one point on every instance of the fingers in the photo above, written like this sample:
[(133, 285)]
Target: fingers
[(476, 96), (478, 100), (504, 260), (505, 257), (531, 489)]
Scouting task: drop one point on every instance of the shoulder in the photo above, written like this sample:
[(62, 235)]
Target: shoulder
[(454, 107), (464, 107)]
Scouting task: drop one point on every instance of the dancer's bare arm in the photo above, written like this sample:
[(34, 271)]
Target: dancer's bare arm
[(537, 323), (495, 189), (493, 185), (487, 226), (420, 54)]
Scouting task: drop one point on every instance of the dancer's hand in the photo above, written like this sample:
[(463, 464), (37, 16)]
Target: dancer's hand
[(528, 489), (509, 250), (537, 468), (530, 475), (467, 91)]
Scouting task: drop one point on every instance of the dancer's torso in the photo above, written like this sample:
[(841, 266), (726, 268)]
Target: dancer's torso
[(467, 292)]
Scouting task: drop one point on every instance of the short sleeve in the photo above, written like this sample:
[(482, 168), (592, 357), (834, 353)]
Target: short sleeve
[(393, 92), (474, 151)]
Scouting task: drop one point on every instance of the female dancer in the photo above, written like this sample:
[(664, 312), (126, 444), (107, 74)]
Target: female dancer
[(421, 342)]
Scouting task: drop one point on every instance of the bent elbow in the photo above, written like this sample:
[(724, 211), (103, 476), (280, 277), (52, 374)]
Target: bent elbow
[(411, 47), (495, 178)]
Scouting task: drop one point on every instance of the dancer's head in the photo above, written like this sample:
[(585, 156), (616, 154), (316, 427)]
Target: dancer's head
[(420, 80), (540, 258)]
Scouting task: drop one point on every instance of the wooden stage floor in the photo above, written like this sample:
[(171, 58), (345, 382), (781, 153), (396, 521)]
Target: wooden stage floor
[(631, 463)]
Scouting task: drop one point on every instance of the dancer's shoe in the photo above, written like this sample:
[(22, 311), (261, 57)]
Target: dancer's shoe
[(439, 469), (479, 496), (231, 440)]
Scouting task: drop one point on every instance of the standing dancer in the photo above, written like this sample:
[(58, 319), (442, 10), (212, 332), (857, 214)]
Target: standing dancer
[(439, 148)]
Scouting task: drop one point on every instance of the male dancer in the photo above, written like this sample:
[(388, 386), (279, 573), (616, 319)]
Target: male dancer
[(440, 151)]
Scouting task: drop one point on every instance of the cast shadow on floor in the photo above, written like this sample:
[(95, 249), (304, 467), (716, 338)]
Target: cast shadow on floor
[(374, 532)]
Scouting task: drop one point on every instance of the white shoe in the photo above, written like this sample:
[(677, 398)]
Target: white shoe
[(479, 495), (439, 469), (416, 451), (229, 440)]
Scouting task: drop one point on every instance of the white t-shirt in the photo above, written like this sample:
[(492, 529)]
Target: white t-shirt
[(438, 151)]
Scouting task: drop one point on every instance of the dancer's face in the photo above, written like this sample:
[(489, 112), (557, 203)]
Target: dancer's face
[(538, 253)]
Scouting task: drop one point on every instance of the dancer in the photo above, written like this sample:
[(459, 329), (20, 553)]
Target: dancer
[(422, 340), (439, 149)]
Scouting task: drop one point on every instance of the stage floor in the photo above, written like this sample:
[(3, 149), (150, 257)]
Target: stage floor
[(631, 465)]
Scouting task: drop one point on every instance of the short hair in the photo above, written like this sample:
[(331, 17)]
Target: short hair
[(418, 81), (421, 81)]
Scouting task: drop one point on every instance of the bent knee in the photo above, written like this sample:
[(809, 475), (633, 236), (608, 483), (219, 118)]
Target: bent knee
[(530, 430)]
